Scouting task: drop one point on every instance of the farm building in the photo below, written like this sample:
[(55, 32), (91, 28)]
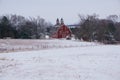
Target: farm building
[(62, 31)]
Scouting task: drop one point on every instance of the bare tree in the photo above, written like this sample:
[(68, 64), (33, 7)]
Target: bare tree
[(113, 18)]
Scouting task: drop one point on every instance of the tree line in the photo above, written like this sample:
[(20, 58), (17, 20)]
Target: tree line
[(94, 29), (19, 27), (91, 28)]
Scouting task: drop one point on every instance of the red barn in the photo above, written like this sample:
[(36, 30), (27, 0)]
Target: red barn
[(62, 30)]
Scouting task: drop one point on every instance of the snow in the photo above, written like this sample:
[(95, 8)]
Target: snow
[(86, 61)]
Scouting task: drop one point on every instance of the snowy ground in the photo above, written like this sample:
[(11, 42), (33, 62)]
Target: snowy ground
[(90, 62)]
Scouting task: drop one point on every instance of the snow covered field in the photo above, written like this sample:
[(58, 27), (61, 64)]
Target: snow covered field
[(13, 45), (82, 61)]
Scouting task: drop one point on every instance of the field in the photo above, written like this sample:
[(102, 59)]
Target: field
[(13, 45), (58, 60)]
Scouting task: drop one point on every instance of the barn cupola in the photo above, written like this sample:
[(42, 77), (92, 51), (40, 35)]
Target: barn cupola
[(62, 22), (57, 22)]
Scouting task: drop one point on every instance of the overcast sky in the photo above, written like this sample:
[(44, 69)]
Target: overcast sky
[(67, 9)]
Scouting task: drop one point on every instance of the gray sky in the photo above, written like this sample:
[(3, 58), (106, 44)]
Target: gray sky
[(67, 9)]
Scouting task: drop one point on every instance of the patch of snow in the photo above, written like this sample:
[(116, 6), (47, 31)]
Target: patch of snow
[(101, 62)]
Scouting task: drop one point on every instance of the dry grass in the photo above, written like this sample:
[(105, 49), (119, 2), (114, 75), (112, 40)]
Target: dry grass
[(3, 59), (13, 45)]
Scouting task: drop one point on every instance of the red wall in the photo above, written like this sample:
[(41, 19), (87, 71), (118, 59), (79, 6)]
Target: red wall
[(62, 32)]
